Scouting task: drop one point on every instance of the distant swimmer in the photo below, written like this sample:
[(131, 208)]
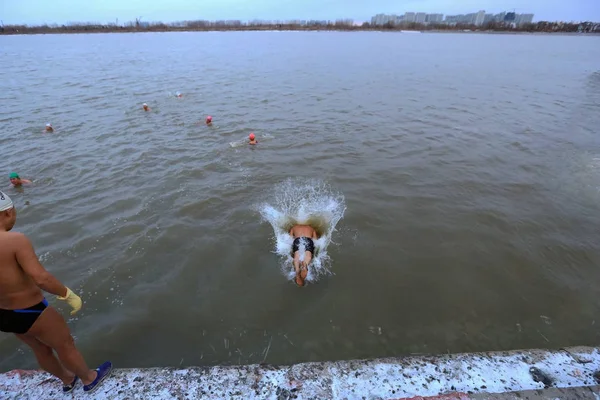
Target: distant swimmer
[(178, 94), (25, 312), (304, 237), (49, 128), (16, 180), (252, 138), (209, 120), (145, 107)]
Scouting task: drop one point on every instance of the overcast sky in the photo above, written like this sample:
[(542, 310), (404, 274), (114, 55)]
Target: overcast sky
[(63, 11)]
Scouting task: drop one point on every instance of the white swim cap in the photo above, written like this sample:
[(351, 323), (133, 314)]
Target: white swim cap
[(48, 125), (5, 202), (144, 104)]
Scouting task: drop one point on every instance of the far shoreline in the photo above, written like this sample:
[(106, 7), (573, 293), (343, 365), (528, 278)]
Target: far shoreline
[(273, 29)]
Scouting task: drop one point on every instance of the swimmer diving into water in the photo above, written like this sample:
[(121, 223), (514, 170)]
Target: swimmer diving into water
[(16, 180), (304, 237)]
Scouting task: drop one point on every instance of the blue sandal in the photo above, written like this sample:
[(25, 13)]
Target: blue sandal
[(69, 388), (104, 371)]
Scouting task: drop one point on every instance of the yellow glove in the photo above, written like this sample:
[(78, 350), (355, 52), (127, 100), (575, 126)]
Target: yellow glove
[(73, 300)]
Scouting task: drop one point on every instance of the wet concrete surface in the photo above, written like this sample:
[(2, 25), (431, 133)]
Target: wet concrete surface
[(534, 374)]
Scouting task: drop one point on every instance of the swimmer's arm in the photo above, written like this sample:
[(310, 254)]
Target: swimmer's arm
[(28, 260), (25, 181)]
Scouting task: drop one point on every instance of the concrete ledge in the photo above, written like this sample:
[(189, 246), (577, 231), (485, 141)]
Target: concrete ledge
[(459, 376)]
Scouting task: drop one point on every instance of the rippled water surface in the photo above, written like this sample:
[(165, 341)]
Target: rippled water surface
[(469, 166)]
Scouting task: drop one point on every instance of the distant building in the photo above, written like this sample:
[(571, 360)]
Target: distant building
[(500, 17), (409, 17), (382, 19), (434, 18), (480, 17), (510, 17), (344, 22), (488, 18), (420, 17), (454, 19), (524, 19), (469, 19)]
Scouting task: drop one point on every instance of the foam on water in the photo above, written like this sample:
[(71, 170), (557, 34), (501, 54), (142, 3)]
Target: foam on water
[(307, 202)]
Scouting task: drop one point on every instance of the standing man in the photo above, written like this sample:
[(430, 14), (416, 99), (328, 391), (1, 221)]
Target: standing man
[(304, 245), (25, 312)]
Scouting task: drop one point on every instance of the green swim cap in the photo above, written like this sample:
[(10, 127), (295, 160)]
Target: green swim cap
[(13, 175)]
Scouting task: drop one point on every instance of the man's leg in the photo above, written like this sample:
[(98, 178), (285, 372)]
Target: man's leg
[(298, 279), (305, 264), (47, 360), (52, 330)]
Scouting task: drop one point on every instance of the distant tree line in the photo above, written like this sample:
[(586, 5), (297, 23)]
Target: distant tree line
[(339, 25)]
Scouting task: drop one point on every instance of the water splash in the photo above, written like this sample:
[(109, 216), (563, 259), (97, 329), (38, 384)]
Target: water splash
[(307, 202)]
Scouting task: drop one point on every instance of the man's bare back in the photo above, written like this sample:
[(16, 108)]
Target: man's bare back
[(303, 246), (17, 289), (303, 231)]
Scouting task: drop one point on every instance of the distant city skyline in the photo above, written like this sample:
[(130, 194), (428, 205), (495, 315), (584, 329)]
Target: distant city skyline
[(34, 12), (474, 18)]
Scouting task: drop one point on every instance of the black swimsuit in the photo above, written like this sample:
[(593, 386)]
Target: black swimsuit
[(20, 321), (309, 245)]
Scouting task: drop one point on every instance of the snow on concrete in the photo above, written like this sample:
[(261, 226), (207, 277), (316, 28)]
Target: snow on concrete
[(456, 376)]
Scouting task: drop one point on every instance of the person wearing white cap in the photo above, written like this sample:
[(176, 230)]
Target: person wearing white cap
[(49, 128), (25, 312), (145, 107)]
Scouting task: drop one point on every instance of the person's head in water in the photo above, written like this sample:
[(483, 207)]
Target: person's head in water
[(252, 139), (209, 120), (15, 179), (178, 94), (8, 213), (49, 128), (145, 107)]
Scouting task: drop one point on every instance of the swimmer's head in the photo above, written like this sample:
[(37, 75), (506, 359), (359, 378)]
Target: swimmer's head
[(8, 213), (49, 127), (209, 120), (251, 136), (15, 179), (145, 107), (178, 94)]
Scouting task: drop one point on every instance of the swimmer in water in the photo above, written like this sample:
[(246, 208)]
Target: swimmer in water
[(25, 312), (178, 94), (49, 128), (16, 180), (145, 107), (209, 120), (304, 236), (252, 138)]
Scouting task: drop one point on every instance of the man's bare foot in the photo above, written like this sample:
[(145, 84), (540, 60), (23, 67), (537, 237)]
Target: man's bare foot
[(299, 280)]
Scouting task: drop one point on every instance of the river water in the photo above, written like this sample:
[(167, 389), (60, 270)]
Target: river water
[(459, 175)]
